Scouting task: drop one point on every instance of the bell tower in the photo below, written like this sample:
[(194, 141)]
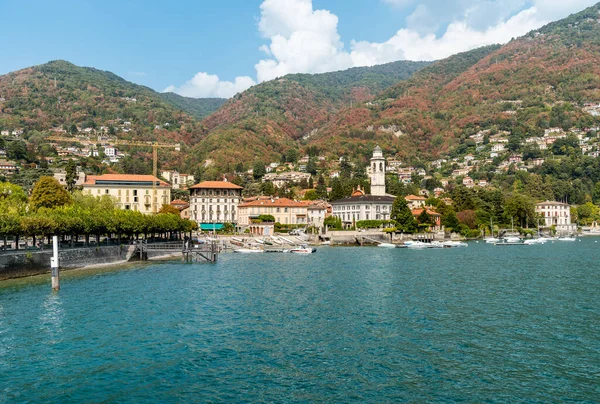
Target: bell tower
[(377, 173)]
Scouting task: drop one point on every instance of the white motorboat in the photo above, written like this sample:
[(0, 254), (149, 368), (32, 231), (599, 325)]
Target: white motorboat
[(416, 244), (248, 250), (436, 244), (535, 241), (303, 250), (454, 244), (567, 239), (387, 245), (512, 239)]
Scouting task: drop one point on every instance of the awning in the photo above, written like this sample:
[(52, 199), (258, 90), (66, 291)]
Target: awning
[(211, 226)]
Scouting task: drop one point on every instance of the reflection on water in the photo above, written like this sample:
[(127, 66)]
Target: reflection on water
[(478, 324), (51, 318)]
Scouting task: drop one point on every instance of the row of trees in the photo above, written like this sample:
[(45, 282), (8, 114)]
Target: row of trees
[(53, 211)]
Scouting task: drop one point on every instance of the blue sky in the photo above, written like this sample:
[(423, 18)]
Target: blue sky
[(217, 48)]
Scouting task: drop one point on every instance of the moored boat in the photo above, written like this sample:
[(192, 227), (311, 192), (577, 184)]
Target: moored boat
[(416, 244), (451, 243), (387, 245), (303, 250), (248, 251)]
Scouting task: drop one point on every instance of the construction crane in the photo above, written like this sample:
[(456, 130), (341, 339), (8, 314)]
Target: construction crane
[(154, 145)]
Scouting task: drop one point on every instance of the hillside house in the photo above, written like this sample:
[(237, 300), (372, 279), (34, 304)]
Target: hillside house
[(415, 201), (468, 182)]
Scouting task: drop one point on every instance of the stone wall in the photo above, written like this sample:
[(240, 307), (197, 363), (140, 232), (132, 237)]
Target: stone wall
[(14, 265)]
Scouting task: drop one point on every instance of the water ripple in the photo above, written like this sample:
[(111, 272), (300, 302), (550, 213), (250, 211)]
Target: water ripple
[(482, 324)]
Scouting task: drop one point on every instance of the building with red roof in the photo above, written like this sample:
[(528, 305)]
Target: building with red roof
[(284, 210)]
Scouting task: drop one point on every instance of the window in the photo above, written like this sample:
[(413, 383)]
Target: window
[(119, 192), (135, 192), (285, 210), (106, 191)]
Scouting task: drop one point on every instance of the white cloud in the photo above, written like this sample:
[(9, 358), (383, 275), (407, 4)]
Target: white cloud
[(204, 85), (301, 39)]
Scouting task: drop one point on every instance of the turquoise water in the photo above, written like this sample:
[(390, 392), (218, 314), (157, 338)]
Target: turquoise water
[(485, 323)]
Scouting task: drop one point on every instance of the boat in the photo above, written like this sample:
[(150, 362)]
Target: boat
[(248, 250), (455, 244), (436, 244), (491, 239), (512, 240), (567, 239), (387, 245), (533, 241), (303, 250), (416, 244), (328, 242)]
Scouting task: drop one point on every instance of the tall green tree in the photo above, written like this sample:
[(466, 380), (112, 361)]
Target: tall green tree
[(321, 188), (258, 170), (48, 193), (311, 166), (402, 215), (71, 174)]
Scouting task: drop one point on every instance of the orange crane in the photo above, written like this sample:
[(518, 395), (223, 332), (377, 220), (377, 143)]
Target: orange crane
[(154, 145)]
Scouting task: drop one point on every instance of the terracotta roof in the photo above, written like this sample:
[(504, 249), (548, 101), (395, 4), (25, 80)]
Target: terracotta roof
[(417, 212), (179, 202), (216, 184), (415, 198), (281, 202), (91, 179)]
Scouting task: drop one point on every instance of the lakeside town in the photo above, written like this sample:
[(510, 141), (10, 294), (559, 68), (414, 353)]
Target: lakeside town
[(221, 207)]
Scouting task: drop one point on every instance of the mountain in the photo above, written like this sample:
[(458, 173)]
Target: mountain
[(61, 95), (199, 108), (268, 119), (540, 80)]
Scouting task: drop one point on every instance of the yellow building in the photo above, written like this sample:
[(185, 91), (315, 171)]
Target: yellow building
[(284, 210), (132, 192)]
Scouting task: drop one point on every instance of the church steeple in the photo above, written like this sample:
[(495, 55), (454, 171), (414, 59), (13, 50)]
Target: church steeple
[(377, 172)]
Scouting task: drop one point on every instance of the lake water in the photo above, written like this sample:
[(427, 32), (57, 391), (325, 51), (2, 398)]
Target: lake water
[(483, 323)]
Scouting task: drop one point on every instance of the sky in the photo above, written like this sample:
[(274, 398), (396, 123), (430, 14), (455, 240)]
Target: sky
[(207, 48)]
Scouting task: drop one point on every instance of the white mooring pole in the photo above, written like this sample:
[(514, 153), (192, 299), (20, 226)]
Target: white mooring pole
[(54, 264)]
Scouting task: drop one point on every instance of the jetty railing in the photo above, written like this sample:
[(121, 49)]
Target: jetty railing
[(191, 252)]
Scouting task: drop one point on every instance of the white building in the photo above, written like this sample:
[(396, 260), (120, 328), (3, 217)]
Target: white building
[(177, 180), (215, 202), (360, 206), (556, 214), (110, 151), (317, 211)]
